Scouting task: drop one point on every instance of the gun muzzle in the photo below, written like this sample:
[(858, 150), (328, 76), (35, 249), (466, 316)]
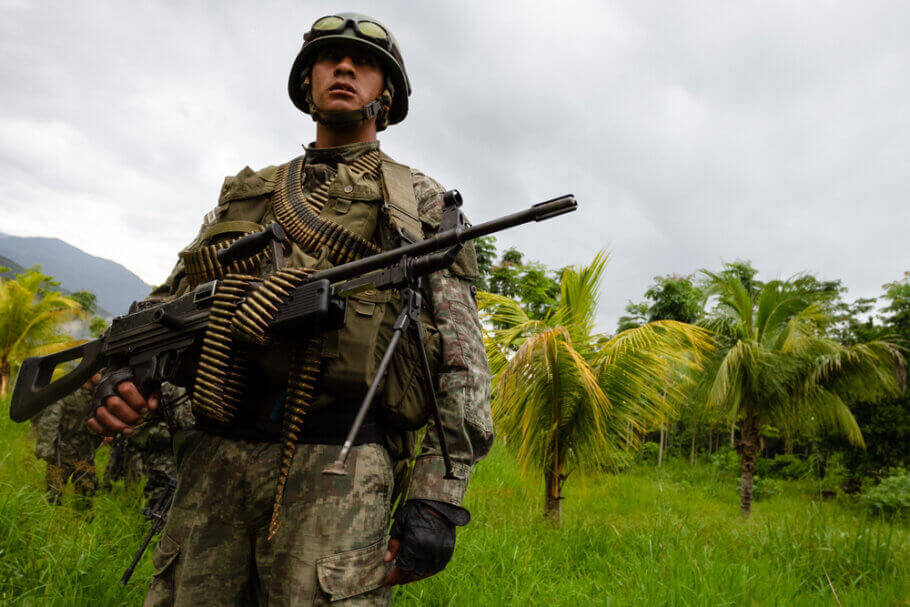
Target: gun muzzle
[(554, 207)]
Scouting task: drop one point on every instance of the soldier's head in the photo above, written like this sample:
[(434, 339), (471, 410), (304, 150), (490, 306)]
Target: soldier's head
[(350, 71)]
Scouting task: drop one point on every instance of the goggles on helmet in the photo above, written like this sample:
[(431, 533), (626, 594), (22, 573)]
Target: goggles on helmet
[(333, 24)]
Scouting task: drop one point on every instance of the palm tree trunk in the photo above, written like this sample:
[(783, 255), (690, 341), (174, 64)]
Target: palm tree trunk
[(660, 450), (4, 378), (552, 509), (748, 450), (692, 450)]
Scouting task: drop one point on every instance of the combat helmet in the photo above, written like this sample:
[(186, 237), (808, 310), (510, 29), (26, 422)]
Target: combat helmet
[(369, 34)]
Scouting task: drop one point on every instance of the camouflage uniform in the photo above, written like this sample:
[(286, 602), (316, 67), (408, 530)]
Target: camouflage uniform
[(124, 463), (330, 544), (152, 442), (68, 447)]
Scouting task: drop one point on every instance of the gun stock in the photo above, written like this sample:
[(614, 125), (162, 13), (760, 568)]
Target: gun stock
[(35, 389)]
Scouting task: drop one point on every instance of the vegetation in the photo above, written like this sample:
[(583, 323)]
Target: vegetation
[(802, 375), (568, 398), (31, 316), (663, 536), (775, 367)]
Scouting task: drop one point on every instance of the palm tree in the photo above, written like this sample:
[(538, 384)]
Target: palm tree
[(773, 365), (30, 320), (567, 398)]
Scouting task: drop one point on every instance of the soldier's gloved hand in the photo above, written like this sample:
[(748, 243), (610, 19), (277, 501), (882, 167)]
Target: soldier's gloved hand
[(121, 406), (423, 539)]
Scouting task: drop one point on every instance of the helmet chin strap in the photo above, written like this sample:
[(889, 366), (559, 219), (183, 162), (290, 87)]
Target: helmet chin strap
[(379, 107), (345, 117)]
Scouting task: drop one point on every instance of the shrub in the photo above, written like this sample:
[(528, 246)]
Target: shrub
[(787, 467), (648, 453), (892, 495), (726, 460), (763, 488)]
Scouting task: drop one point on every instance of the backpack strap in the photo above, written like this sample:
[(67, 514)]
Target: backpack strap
[(398, 191)]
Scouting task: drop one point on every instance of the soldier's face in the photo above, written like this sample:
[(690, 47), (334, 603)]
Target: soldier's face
[(344, 77)]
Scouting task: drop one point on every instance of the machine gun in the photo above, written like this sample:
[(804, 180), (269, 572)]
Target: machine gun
[(152, 345), (156, 513)]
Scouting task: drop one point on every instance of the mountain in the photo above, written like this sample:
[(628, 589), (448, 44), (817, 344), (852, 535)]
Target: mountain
[(76, 270)]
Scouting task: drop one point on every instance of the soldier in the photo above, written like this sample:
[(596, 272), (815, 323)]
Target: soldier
[(153, 440), (68, 448), (124, 463), (255, 519)]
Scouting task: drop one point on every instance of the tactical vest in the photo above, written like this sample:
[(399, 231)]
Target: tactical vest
[(369, 206)]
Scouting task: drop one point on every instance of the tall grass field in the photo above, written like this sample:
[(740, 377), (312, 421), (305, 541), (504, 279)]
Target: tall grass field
[(647, 536)]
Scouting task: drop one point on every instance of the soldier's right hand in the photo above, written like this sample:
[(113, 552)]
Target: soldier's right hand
[(121, 411)]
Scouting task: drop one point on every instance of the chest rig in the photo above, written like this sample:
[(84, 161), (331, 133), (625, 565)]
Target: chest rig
[(369, 205)]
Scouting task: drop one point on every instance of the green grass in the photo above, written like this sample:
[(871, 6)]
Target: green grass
[(645, 537)]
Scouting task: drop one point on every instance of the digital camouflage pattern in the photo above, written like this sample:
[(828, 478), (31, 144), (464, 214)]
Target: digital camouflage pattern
[(151, 440), (333, 532), (214, 549), (68, 447)]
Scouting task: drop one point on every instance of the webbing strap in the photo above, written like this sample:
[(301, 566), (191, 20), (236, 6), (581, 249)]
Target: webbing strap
[(238, 226), (398, 188)]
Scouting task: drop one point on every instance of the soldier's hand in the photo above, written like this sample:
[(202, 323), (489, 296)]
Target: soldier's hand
[(422, 539), (121, 411)]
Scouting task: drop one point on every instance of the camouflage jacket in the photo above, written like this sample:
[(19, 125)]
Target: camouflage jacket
[(464, 377), (62, 425)]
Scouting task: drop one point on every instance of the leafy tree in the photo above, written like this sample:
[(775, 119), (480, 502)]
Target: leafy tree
[(31, 314), (774, 366), (87, 300), (885, 425), (485, 247), (744, 272), (534, 285), (97, 326), (566, 397), (89, 303), (675, 298)]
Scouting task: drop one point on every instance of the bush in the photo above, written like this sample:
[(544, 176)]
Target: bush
[(726, 460), (648, 453), (763, 488), (788, 467), (892, 495)]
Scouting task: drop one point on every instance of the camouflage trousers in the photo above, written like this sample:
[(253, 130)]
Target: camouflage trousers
[(215, 550)]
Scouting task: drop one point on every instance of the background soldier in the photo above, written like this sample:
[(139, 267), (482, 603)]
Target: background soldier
[(68, 448), (255, 519), (153, 439), (148, 451)]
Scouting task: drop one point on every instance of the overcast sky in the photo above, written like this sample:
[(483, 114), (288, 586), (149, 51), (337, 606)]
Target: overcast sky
[(691, 133)]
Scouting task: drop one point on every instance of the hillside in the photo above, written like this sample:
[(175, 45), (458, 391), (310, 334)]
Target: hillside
[(76, 270)]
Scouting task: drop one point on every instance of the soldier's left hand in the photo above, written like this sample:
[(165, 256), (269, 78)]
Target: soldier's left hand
[(422, 539), (121, 411)]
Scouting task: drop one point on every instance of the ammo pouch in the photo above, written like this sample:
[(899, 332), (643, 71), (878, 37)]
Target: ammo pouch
[(353, 353)]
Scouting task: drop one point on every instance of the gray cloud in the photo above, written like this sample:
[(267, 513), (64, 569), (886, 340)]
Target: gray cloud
[(691, 133)]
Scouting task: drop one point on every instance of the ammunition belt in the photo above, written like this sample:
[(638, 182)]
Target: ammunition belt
[(298, 213), (201, 264), (223, 368)]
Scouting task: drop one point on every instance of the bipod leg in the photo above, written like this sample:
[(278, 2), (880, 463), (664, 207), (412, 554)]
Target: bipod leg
[(431, 390), (336, 468)]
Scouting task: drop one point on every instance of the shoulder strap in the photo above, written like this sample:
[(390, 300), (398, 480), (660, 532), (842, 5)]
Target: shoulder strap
[(398, 191)]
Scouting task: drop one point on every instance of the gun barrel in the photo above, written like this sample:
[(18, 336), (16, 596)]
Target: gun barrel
[(538, 212)]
